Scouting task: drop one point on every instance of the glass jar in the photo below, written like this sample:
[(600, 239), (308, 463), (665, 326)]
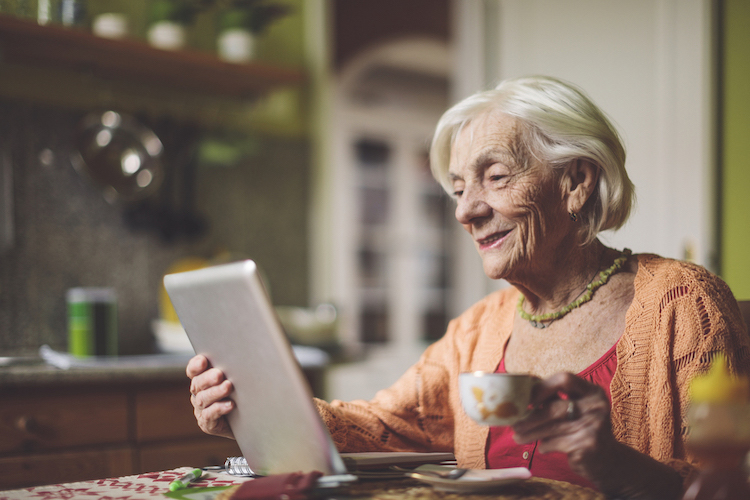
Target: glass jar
[(720, 439)]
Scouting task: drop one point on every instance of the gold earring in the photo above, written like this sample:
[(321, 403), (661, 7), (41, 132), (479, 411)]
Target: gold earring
[(574, 216)]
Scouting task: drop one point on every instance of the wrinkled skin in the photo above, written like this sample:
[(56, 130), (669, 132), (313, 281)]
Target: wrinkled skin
[(512, 207), (582, 437), (209, 394)]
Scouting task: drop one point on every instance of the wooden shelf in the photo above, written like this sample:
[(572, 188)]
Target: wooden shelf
[(26, 43)]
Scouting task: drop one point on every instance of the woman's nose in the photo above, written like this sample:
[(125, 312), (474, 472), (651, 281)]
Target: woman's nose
[(471, 206)]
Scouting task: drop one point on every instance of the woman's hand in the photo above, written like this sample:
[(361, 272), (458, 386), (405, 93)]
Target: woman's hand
[(572, 416), (209, 394), (578, 425)]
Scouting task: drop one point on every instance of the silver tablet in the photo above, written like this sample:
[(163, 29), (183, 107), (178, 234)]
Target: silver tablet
[(229, 319)]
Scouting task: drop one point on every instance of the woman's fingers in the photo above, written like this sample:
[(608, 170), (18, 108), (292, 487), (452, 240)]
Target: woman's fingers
[(579, 435), (562, 403), (571, 416), (210, 407), (211, 419), (561, 383), (209, 395), (560, 417), (197, 365), (206, 380), (216, 393)]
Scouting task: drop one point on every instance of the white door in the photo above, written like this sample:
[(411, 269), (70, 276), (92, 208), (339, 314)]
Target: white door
[(391, 220)]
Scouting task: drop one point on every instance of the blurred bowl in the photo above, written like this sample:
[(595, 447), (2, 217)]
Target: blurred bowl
[(171, 337), (317, 326)]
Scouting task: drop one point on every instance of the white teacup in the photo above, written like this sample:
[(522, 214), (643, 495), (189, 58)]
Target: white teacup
[(495, 398)]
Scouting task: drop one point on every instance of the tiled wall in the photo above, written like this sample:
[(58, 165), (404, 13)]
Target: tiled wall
[(67, 235)]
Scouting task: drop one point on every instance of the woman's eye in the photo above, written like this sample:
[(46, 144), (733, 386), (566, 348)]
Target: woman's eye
[(496, 178), (457, 193)]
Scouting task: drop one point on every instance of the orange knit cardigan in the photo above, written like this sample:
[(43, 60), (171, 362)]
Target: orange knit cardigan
[(681, 314)]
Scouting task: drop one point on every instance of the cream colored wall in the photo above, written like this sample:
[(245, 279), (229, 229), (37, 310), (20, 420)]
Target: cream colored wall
[(647, 64)]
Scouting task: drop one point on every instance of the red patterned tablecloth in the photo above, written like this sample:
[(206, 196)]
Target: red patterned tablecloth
[(155, 485), (138, 487)]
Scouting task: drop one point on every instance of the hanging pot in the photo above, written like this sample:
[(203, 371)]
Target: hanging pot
[(120, 155)]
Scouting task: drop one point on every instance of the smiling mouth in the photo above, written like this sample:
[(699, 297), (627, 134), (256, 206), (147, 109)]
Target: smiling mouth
[(489, 240)]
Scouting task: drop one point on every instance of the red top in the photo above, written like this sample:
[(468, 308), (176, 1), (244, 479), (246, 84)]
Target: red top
[(503, 452)]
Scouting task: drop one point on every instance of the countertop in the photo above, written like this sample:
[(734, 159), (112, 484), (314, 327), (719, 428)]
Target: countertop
[(55, 368), (119, 370)]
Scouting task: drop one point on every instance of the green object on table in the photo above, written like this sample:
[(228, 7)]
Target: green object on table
[(185, 480)]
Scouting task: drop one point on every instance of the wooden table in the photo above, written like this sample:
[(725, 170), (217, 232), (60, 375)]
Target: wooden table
[(154, 485), (527, 489)]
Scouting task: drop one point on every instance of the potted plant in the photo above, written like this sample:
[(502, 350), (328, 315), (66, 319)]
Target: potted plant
[(239, 25), (168, 21)]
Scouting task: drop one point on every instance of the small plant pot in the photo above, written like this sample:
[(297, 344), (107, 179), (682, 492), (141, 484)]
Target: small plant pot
[(236, 45), (167, 35), (111, 25)]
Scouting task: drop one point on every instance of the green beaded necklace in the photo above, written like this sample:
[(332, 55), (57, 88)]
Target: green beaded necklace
[(542, 320)]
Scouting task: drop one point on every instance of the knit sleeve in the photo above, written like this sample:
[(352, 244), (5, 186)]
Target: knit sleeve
[(411, 415), (715, 326), (422, 410), (682, 316)]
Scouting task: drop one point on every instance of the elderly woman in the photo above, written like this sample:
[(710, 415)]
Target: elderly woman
[(537, 171)]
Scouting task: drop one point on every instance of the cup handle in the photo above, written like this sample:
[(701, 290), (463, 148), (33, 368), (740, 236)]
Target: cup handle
[(535, 382)]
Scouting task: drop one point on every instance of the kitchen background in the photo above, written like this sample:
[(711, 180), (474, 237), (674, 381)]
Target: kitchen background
[(67, 235), (265, 170), (308, 154), (249, 199)]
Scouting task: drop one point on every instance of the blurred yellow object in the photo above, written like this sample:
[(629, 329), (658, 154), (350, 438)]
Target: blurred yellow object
[(166, 310), (719, 433), (719, 386)]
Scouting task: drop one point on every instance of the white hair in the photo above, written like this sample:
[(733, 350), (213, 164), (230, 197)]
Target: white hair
[(558, 124)]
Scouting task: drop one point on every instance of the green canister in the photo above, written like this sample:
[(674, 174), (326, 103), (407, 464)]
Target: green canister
[(92, 321)]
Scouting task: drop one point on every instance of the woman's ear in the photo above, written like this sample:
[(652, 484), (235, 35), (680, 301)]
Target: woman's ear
[(581, 180)]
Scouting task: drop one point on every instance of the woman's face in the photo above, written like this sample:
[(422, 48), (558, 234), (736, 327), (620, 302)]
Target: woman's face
[(515, 213)]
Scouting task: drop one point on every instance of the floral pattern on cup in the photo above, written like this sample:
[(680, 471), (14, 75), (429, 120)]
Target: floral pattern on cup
[(495, 399)]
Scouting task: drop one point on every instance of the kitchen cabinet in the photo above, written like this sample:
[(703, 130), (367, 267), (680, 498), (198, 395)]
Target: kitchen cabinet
[(54, 432), (90, 423)]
